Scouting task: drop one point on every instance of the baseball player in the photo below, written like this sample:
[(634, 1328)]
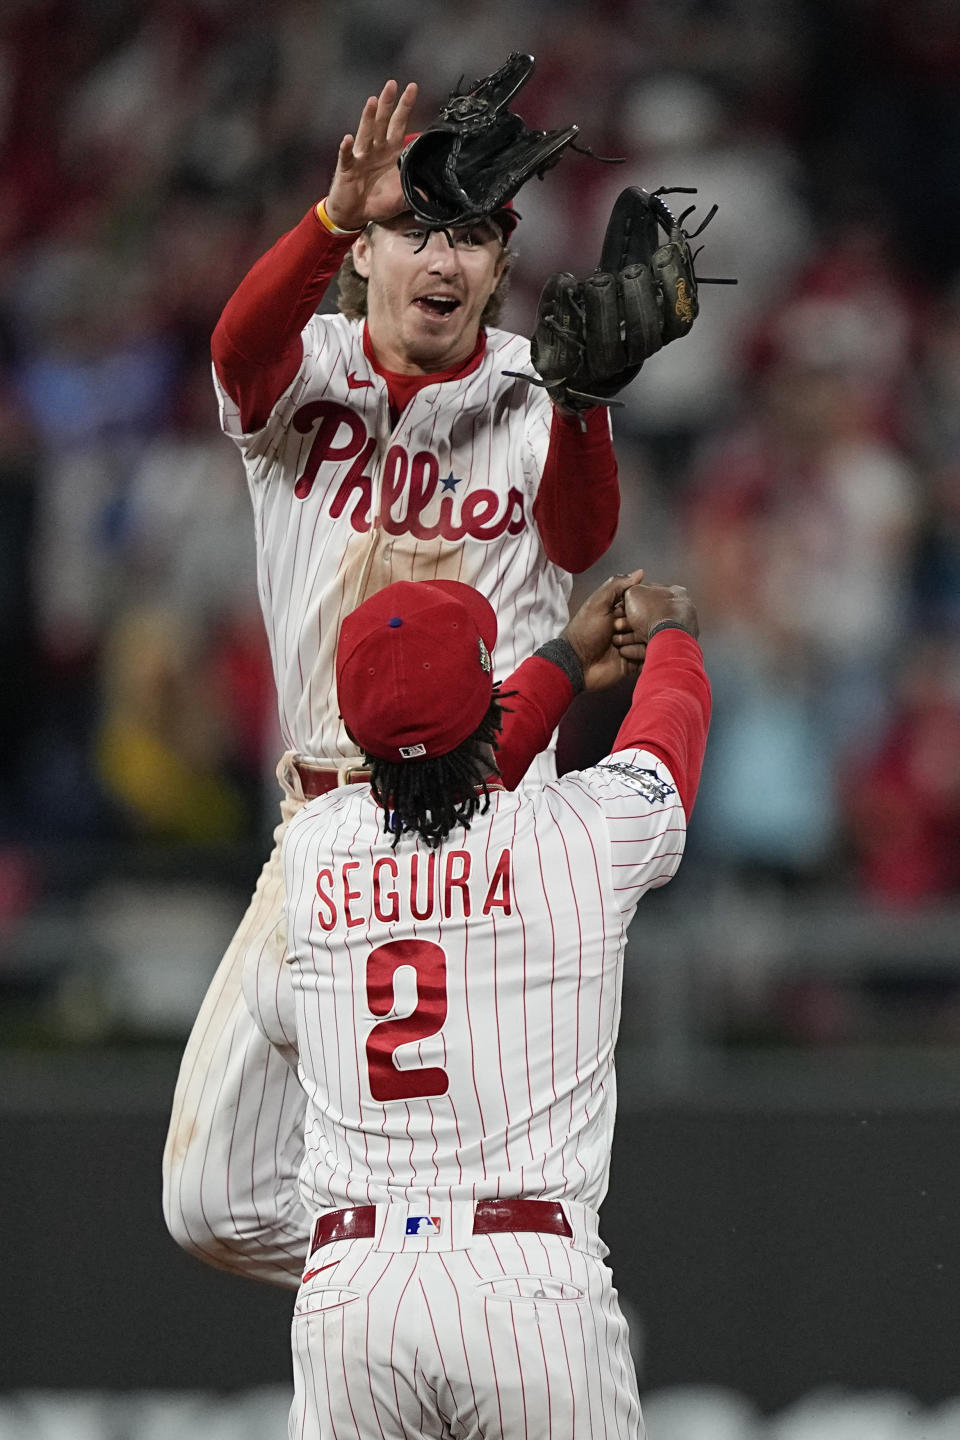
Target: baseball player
[(454, 968), (382, 444)]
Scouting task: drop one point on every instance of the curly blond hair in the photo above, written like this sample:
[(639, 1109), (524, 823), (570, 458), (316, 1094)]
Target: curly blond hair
[(352, 291)]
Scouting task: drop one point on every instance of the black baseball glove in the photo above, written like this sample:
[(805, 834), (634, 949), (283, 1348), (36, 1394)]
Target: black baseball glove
[(592, 336), (474, 158)]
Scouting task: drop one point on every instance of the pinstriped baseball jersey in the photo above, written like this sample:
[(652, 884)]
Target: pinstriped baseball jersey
[(346, 503), (457, 1009)]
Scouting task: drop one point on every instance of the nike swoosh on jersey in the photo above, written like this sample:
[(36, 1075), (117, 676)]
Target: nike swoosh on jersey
[(355, 383), (309, 1274)]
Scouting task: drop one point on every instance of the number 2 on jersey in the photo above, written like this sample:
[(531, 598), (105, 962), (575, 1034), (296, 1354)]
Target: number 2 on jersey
[(430, 964)]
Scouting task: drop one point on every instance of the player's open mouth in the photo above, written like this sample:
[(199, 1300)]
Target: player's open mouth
[(439, 305)]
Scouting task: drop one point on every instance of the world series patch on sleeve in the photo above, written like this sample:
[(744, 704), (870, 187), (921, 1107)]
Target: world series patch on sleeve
[(646, 782)]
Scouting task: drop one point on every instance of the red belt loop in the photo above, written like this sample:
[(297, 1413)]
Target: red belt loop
[(542, 1217), (357, 1224)]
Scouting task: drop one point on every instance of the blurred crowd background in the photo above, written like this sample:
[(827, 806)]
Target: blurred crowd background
[(795, 462)]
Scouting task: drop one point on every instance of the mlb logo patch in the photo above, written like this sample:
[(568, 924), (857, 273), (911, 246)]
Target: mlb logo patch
[(423, 1224)]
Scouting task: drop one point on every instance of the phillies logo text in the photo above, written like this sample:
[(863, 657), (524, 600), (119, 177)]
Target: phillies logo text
[(410, 484)]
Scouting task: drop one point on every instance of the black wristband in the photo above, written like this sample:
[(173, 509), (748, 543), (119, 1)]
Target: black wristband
[(562, 654), (670, 625)]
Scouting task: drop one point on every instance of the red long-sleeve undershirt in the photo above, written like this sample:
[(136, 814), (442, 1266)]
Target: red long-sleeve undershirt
[(257, 351), (669, 714), (670, 711), (530, 717)]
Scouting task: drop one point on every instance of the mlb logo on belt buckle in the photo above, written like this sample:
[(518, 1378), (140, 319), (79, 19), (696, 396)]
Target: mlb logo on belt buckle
[(423, 1224)]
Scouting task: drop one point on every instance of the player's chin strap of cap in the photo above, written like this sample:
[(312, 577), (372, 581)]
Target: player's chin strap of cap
[(541, 1217)]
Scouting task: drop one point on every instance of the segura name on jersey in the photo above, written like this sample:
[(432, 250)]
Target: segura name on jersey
[(647, 782), (414, 886)]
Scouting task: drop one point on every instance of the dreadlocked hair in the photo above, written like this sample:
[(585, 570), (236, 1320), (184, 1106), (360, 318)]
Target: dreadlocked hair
[(433, 796)]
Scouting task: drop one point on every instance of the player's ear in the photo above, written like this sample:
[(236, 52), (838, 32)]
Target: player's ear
[(361, 255)]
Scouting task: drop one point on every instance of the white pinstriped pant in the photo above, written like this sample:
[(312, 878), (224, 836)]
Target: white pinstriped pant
[(517, 1337), (235, 1140)]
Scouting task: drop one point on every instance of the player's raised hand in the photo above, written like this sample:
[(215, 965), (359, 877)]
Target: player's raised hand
[(591, 634), (366, 182), (647, 605)]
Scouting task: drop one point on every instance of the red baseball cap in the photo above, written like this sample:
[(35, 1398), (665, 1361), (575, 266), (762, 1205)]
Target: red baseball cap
[(507, 218), (414, 674)]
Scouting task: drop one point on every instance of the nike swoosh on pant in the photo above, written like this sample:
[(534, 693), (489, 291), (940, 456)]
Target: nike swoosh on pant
[(309, 1274)]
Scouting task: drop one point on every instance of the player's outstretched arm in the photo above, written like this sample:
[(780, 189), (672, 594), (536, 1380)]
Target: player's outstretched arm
[(582, 657), (578, 501), (670, 712), (256, 344), (641, 795)]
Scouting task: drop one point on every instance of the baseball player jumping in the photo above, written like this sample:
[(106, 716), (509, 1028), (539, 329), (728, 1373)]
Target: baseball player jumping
[(381, 443), (454, 972)]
